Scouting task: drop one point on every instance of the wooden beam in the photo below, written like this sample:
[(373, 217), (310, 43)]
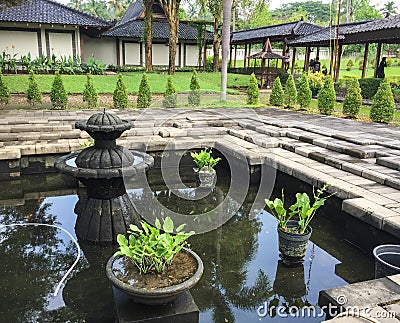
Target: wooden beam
[(234, 62), (248, 60), (337, 68), (230, 56), (378, 58), (283, 54), (81, 46), (293, 59), (365, 61), (245, 56), (307, 59), (205, 49), (331, 63), (118, 52)]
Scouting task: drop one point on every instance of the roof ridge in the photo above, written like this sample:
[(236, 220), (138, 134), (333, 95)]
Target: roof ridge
[(264, 27)]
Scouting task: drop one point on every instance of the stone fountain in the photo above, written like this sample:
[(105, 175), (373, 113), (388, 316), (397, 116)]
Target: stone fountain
[(105, 209)]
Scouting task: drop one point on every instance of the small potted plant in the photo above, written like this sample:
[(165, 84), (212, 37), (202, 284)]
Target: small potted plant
[(205, 172), (152, 266), (316, 80), (294, 230)]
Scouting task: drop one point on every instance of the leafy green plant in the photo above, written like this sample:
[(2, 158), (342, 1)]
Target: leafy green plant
[(194, 94), (369, 86), (316, 80), (144, 94), (87, 143), (353, 100), (290, 93), (4, 91), (304, 93), (150, 250), (89, 94), (252, 91), (58, 95), (170, 96), (120, 96), (349, 64), (34, 95), (302, 210), (204, 159), (276, 97), (94, 67), (327, 97), (382, 109)]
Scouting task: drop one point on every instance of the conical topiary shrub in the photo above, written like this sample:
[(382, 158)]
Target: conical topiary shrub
[(89, 94), (34, 95), (353, 100), (58, 95), (144, 94), (170, 96), (327, 97), (4, 91), (120, 96), (276, 97), (253, 93), (304, 93), (194, 94), (382, 109), (290, 93)]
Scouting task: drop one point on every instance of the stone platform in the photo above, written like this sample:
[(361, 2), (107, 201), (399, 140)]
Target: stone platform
[(360, 160)]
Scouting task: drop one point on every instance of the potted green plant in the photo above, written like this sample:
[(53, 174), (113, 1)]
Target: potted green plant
[(152, 266), (294, 230), (316, 80), (205, 172)]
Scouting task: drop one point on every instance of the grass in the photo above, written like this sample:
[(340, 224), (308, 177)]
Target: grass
[(106, 83)]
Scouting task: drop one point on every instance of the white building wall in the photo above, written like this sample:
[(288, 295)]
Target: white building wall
[(61, 44), (192, 55), (104, 49), (161, 52), (19, 42), (132, 53)]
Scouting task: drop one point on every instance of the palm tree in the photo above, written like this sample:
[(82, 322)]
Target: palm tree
[(226, 35)]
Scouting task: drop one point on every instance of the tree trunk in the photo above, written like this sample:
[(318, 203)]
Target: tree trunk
[(349, 10), (173, 41), (226, 35), (149, 35), (216, 44)]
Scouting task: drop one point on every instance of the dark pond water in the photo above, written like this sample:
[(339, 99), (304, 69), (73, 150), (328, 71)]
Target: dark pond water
[(242, 268)]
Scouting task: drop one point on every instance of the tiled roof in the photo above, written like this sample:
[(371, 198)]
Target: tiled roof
[(133, 12), (289, 29), (322, 36), (378, 24), (50, 12)]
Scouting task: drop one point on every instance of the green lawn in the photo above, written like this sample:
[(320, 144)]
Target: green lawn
[(106, 83)]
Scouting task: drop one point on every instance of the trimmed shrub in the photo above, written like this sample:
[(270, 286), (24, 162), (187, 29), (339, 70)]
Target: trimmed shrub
[(353, 100), (290, 93), (194, 94), (170, 96), (276, 97), (369, 86), (304, 93), (382, 109), (89, 94), (252, 91), (58, 95), (34, 95), (350, 64), (120, 96), (4, 91), (327, 97), (389, 62), (144, 94), (283, 76)]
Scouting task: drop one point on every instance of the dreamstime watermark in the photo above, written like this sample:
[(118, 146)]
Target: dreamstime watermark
[(331, 310)]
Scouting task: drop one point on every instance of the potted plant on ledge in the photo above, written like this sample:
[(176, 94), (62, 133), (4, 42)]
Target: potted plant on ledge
[(294, 230), (205, 172), (153, 267)]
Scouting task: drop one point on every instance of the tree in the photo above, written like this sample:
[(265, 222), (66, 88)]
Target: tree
[(194, 94), (389, 8), (89, 94), (382, 109), (144, 94), (171, 9), (4, 91), (58, 95), (76, 4), (353, 100), (290, 93), (148, 13), (170, 96), (276, 97), (304, 93), (327, 97), (34, 96), (120, 96), (226, 37), (252, 91)]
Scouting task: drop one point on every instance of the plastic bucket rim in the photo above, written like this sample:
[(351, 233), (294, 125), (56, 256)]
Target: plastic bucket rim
[(376, 255)]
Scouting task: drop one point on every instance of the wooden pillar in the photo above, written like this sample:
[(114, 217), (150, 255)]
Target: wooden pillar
[(230, 55), (293, 59), (234, 62), (205, 49), (317, 51), (283, 54), (118, 52), (337, 67), (248, 60), (307, 59), (365, 61), (331, 62), (245, 56), (378, 58)]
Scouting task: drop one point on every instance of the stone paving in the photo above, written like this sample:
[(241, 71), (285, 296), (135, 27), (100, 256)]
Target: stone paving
[(360, 160)]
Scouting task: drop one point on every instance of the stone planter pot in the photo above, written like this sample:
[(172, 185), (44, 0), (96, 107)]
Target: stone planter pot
[(314, 93), (206, 178), (293, 246), (157, 296)]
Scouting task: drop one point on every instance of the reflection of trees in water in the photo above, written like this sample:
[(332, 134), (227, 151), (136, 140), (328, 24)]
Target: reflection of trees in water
[(35, 258), (226, 253)]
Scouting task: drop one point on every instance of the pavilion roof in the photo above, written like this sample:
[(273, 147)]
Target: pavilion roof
[(267, 53)]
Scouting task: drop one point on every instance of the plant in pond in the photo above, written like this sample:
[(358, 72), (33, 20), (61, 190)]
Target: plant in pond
[(203, 159), (327, 97), (194, 94), (304, 93), (120, 95), (290, 93), (276, 97), (170, 96), (58, 95), (34, 95), (144, 94), (149, 249), (382, 109), (4, 91), (89, 94), (252, 91), (353, 100)]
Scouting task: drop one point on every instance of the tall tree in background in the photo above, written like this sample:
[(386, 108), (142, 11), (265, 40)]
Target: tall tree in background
[(171, 9), (226, 37), (148, 13), (389, 8)]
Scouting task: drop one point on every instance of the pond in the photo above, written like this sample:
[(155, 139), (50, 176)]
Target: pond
[(243, 280)]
